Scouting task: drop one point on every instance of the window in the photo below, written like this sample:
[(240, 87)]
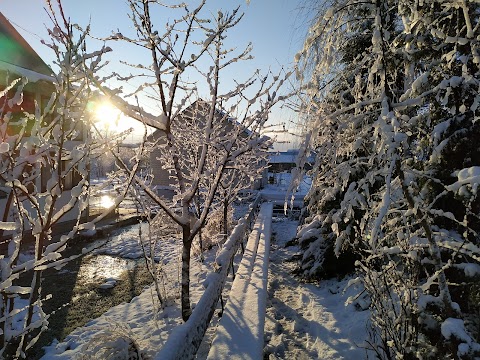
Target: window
[(72, 178)]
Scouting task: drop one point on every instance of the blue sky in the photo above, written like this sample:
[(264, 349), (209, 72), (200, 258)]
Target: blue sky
[(274, 27)]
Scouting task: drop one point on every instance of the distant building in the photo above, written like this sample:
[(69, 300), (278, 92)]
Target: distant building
[(285, 161), (163, 179)]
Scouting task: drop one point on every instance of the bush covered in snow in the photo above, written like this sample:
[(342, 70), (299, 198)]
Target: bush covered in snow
[(44, 178), (393, 103), (113, 343), (213, 232)]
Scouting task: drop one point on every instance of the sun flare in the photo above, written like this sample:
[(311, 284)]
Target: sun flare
[(107, 202), (107, 115)]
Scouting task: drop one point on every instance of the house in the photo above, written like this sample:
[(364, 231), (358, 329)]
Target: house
[(19, 60), (189, 120), (282, 161), (285, 161)]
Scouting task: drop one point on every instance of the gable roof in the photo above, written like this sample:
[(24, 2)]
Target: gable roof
[(189, 111), (17, 55), (202, 106)]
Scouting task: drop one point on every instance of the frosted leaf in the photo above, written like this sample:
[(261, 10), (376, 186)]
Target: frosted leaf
[(455, 81), (76, 155), (420, 82), (329, 13), (468, 176), (18, 289), (470, 269), (468, 173), (17, 99), (377, 36), (89, 226), (475, 103), (77, 191)]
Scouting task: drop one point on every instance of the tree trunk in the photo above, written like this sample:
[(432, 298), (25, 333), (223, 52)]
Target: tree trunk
[(32, 301), (35, 291), (185, 296), (225, 220), (3, 313), (200, 241)]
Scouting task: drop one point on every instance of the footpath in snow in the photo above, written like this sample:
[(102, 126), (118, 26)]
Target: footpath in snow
[(240, 331), (308, 321)]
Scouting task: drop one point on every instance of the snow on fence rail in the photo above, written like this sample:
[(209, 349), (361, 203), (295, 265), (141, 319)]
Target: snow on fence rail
[(185, 340), (239, 335)]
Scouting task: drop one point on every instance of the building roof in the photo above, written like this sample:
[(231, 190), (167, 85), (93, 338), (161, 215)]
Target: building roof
[(286, 157), (201, 105), (282, 158), (17, 55)]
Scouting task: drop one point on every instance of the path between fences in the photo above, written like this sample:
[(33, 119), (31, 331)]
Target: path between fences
[(239, 334)]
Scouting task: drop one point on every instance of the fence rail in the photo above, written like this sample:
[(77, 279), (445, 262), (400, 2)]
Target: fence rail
[(239, 335)]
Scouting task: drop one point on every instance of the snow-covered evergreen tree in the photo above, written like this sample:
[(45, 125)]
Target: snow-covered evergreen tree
[(396, 172)]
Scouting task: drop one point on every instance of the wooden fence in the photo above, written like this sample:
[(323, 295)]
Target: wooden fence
[(185, 340)]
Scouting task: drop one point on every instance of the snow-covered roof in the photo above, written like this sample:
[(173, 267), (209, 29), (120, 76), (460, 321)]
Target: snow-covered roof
[(31, 75), (282, 158), (286, 157), (196, 104), (224, 114), (17, 52)]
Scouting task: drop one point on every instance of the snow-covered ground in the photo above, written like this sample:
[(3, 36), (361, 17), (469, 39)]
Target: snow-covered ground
[(303, 321), (277, 191), (308, 321), (281, 183), (142, 319)]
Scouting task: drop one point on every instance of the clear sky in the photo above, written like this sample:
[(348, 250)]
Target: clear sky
[(275, 28)]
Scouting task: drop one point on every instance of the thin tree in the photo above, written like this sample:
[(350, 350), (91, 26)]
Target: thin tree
[(44, 172), (197, 163)]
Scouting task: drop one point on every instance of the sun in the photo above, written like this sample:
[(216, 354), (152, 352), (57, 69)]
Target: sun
[(107, 115), (107, 202)]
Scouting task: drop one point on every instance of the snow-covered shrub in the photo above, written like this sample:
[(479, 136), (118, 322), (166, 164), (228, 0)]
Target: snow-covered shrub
[(44, 171), (320, 260), (114, 343), (213, 232)]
